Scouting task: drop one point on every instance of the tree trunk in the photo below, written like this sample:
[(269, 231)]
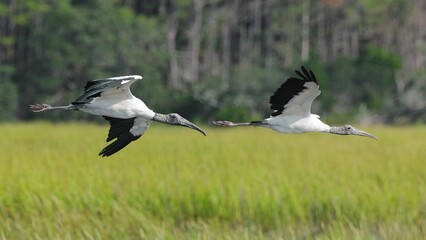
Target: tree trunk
[(226, 50), (195, 42), (256, 30), (321, 37), (210, 64), (172, 27), (306, 17)]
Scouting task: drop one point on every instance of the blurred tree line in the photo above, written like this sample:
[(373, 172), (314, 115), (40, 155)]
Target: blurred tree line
[(215, 58)]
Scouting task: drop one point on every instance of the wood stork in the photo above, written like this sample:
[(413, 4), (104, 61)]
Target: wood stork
[(291, 104), (128, 116)]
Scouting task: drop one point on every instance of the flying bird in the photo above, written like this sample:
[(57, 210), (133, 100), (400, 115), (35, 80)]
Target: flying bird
[(128, 116), (291, 105)]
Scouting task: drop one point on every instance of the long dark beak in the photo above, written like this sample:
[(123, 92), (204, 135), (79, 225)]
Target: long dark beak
[(186, 123), (364, 134)]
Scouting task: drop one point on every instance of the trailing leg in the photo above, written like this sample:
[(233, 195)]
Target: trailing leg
[(43, 107), (231, 124)]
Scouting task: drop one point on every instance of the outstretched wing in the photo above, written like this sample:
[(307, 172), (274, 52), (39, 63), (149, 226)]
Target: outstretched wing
[(124, 131), (295, 96), (119, 86)]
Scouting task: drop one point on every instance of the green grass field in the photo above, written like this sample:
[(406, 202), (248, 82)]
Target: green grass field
[(174, 183)]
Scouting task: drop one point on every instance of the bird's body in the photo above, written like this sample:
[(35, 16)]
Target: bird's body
[(118, 108), (296, 124), (128, 116), (112, 97), (291, 105)]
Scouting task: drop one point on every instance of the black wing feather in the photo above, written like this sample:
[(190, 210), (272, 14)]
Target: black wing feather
[(90, 84), (120, 129), (290, 88), (117, 145), (94, 89)]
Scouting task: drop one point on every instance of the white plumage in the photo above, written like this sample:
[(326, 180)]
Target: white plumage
[(128, 116), (117, 101), (291, 105), (297, 124)]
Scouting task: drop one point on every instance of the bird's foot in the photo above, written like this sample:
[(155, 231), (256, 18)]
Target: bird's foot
[(39, 107), (224, 123)]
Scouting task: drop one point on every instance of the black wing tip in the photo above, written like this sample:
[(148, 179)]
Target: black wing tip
[(306, 75), (104, 154), (120, 143), (109, 150), (106, 151)]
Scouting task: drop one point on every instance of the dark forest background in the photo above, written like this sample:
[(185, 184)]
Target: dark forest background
[(210, 59)]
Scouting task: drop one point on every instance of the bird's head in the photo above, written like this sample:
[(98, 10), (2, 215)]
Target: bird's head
[(176, 119), (350, 130)]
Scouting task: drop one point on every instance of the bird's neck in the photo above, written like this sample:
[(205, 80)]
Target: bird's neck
[(158, 117), (338, 130)]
